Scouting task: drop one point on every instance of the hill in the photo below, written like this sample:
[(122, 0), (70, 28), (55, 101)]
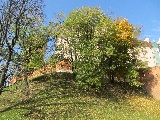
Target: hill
[(55, 96)]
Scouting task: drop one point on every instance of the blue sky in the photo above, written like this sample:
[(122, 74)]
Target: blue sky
[(145, 13)]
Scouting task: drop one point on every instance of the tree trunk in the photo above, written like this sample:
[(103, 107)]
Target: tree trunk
[(26, 79), (26, 84), (3, 76), (112, 78), (111, 72)]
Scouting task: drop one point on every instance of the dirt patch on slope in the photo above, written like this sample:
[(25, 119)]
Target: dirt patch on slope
[(151, 80)]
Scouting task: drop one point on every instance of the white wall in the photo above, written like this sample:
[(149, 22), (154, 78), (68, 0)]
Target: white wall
[(147, 55)]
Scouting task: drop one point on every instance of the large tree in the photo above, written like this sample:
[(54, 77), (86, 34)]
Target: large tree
[(16, 16), (100, 48)]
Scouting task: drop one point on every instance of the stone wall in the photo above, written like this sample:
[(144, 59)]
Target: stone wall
[(151, 80), (64, 66), (39, 72)]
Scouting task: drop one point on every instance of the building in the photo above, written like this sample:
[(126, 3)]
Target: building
[(150, 53), (63, 51)]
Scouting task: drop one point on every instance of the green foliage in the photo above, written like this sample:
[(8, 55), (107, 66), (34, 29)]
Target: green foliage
[(132, 77), (53, 60), (33, 46), (101, 50), (37, 60)]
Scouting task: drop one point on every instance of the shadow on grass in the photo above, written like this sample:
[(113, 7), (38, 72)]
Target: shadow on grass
[(38, 110), (50, 97), (55, 96)]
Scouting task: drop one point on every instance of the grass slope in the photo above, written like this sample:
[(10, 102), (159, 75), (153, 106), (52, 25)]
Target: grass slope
[(53, 97)]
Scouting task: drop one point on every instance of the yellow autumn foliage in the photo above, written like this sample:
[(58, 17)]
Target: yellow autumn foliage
[(124, 31)]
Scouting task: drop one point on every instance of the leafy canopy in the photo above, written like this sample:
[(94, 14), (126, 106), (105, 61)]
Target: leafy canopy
[(101, 49)]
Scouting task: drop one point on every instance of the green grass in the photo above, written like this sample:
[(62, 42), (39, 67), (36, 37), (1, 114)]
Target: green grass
[(54, 97)]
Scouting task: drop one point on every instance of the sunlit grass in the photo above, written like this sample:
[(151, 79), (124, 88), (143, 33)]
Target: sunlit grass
[(55, 98)]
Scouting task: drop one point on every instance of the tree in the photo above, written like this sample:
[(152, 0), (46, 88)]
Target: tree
[(100, 49), (32, 49), (83, 31), (16, 16), (124, 57)]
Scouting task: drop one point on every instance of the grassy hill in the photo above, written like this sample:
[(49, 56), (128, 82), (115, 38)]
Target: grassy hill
[(54, 96)]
